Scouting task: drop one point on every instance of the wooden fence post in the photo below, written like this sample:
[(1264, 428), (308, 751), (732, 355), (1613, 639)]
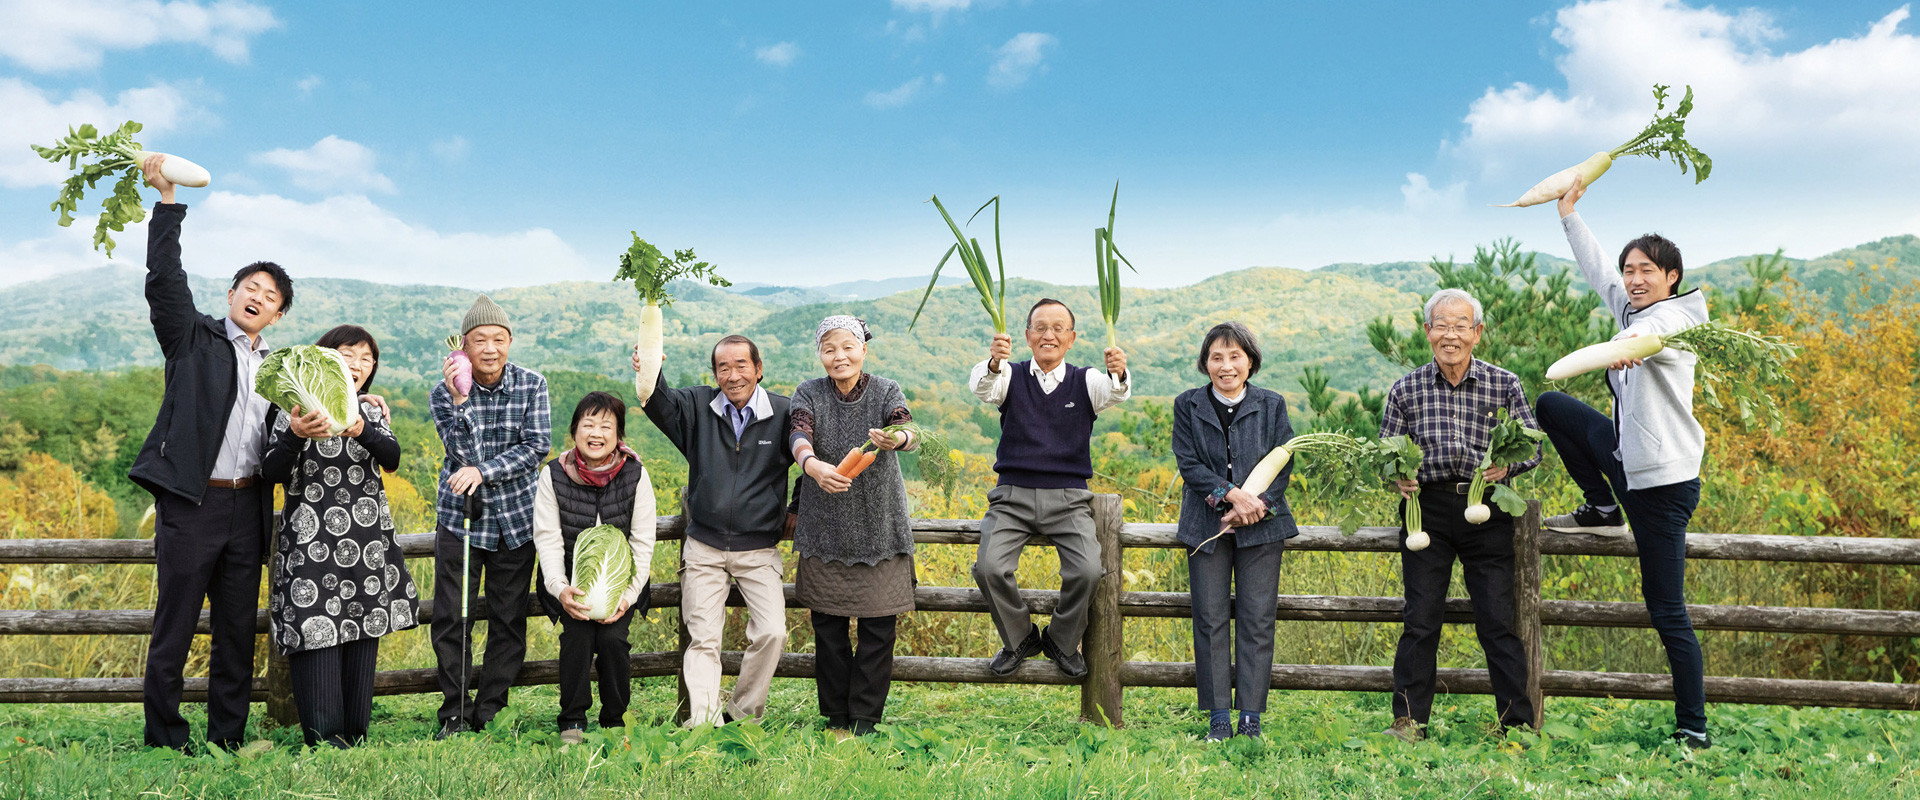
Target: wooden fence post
[(684, 709), (1526, 605), (1103, 644)]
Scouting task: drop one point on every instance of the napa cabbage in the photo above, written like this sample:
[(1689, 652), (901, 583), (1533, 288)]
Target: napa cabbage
[(602, 568), (311, 378)]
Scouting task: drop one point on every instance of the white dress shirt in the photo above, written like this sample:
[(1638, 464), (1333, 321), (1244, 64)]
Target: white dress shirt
[(246, 433), (1103, 390)]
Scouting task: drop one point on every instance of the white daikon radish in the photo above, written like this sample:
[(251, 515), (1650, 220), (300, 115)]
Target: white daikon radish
[(1603, 355), (115, 154), (1665, 137), (1558, 183), (652, 334), (651, 272), (176, 169)]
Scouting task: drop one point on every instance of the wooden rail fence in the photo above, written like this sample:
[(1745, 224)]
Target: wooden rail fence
[(1107, 670)]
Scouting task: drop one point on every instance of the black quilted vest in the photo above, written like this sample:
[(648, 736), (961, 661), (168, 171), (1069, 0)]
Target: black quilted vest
[(583, 506)]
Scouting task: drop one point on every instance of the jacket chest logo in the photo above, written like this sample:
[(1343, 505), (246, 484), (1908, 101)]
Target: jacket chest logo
[(1068, 405)]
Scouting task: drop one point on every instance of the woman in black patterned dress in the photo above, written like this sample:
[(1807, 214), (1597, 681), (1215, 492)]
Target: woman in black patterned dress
[(339, 582)]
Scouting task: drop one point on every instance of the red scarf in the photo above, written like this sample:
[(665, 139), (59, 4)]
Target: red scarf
[(596, 476)]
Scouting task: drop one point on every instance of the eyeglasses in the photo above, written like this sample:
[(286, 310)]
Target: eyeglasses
[(363, 362), (1057, 330), (1457, 330)]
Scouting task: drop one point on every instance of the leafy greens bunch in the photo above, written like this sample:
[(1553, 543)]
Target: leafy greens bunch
[(1512, 443), (115, 154)]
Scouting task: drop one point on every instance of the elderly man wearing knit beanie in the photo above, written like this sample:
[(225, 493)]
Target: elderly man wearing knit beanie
[(496, 434)]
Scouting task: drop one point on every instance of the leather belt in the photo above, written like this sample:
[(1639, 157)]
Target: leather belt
[(1449, 487), (237, 483)]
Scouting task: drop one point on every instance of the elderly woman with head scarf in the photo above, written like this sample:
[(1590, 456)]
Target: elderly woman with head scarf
[(853, 537)]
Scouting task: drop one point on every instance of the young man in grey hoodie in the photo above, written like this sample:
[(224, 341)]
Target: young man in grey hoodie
[(1645, 460)]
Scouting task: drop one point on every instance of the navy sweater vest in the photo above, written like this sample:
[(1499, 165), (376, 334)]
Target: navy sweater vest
[(1044, 438)]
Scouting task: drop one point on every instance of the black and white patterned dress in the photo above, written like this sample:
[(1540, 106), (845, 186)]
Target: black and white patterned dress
[(337, 575)]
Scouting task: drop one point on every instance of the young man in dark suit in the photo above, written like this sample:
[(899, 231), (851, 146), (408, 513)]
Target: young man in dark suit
[(201, 462)]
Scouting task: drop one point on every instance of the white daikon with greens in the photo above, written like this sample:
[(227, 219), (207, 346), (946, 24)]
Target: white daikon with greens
[(650, 272)]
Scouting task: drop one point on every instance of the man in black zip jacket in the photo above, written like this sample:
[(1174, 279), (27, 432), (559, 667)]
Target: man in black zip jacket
[(201, 462), (734, 439)]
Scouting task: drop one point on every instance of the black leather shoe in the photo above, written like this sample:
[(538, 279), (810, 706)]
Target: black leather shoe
[(1073, 665), (863, 727), (449, 728), (1009, 660)]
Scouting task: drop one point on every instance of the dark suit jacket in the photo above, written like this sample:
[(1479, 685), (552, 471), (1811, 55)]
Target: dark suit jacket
[(201, 383)]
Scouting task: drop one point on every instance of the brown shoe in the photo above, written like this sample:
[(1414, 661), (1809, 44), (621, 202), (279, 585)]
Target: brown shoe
[(1406, 730)]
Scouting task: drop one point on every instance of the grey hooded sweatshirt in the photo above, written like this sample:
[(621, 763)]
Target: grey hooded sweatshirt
[(1660, 441)]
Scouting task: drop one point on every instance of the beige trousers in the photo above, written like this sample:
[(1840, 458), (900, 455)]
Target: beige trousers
[(703, 596)]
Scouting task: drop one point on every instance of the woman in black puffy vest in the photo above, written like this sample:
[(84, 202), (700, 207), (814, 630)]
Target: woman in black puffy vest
[(599, 481)]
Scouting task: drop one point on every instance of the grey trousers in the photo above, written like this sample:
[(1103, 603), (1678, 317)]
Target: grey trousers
[(1241, 584), (1016, 513)]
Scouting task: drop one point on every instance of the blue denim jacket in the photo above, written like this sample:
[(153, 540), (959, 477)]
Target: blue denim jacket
[(1203, 451)]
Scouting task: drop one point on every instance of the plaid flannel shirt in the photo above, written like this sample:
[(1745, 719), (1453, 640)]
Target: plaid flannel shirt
[(1454, 424), (504, 430)]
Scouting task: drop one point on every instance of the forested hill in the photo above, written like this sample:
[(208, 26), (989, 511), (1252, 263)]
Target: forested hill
[(98, 319)]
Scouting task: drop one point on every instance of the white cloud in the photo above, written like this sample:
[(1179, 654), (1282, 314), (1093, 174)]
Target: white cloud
[(452, 151), (54, 35), (1807, 144), (935, 7), (307, 84), (1835, 97), (338, 237), (904, 93), (1020, 58), (332, 164), (778, 55), (1421, 196), (906, 32), (35, 116)]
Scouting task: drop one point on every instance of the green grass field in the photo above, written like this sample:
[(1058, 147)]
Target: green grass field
[(1000, 742)]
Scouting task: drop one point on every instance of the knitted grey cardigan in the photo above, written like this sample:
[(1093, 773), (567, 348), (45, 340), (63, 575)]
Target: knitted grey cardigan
[(866, 524)]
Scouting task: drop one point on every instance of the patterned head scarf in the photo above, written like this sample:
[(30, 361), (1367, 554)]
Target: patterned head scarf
[(842, 322)]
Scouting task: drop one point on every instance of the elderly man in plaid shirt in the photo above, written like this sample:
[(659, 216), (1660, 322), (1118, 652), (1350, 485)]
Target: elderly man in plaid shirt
[(495, 438), (1448, 406)]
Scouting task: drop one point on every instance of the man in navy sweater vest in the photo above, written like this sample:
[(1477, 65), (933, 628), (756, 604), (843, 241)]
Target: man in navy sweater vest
[(1047, 408)]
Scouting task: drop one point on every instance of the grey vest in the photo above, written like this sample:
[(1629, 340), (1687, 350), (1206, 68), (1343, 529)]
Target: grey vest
[(866, 524)]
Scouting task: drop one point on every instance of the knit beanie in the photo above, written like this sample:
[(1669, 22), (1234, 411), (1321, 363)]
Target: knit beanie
[(484, 312)]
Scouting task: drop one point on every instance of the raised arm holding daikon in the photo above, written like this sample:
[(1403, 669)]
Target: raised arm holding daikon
[(1664, 137), (1736, 369)]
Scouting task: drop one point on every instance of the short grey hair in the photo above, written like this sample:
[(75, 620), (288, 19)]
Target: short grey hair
[(1444, 296)]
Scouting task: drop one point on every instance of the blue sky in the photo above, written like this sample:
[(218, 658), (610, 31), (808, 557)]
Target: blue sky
[(504, 144)]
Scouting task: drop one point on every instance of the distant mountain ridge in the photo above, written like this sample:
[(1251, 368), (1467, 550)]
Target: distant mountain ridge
[(97, 319), (789, 296)]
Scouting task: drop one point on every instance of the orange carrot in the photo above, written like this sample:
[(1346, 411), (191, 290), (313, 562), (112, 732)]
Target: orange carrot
[(850, 465), (866, 460)]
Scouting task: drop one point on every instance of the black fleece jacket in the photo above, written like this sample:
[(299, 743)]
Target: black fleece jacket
[(736, 496)]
